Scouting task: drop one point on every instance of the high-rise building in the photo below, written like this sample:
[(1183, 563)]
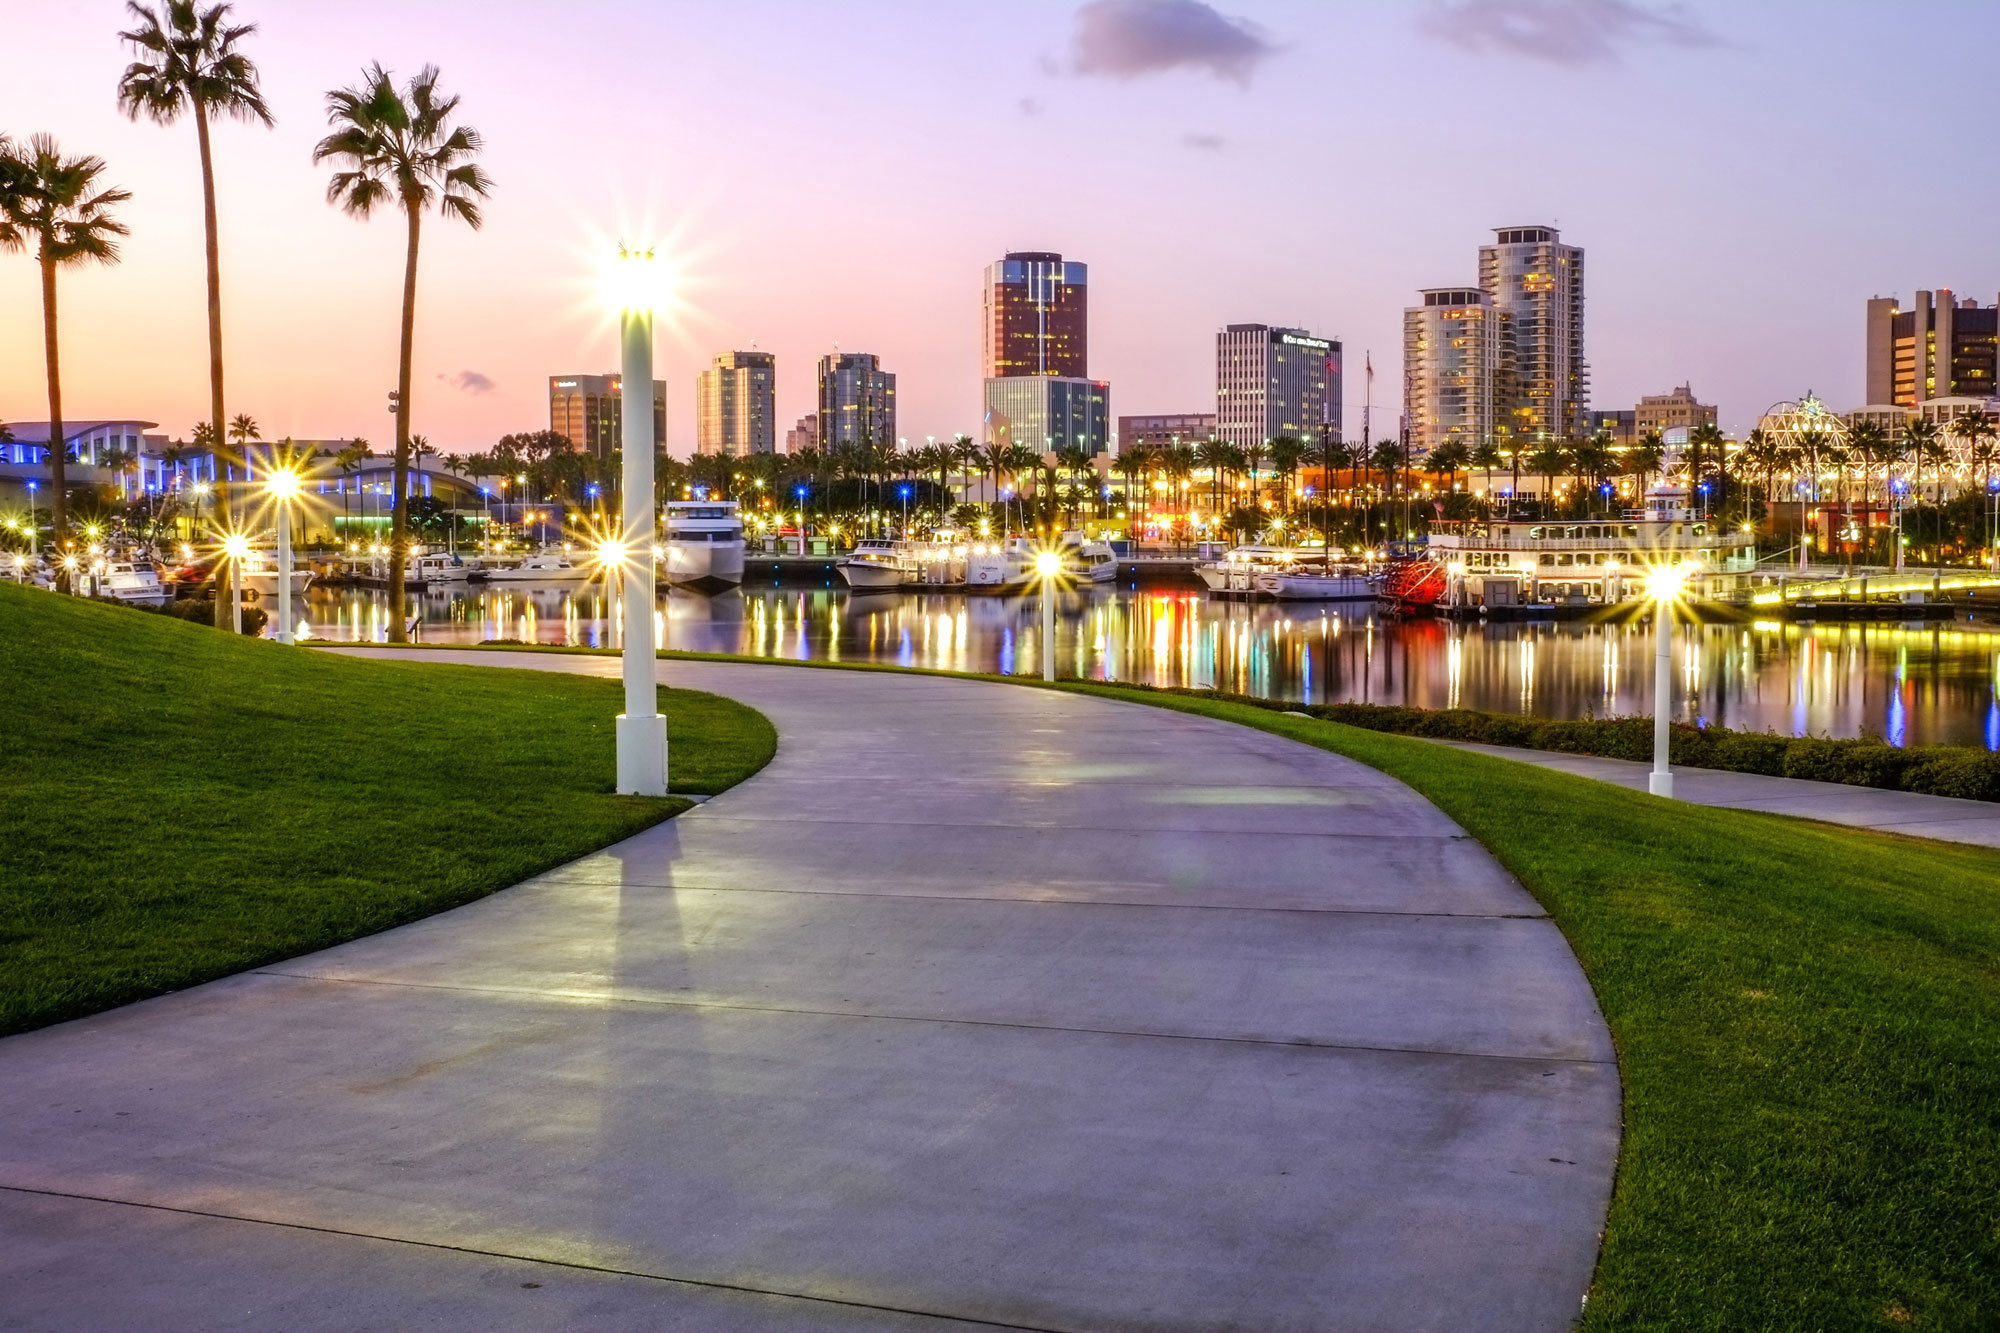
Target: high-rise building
[(857, 401), (1036, 316), (1939, 348), (803, 435), (1153, 432), (736, 405), (1619, 427), (1458, 362), (584, 409), (1272, 381), (1664, 411), (1049, 412), (1537, 281)]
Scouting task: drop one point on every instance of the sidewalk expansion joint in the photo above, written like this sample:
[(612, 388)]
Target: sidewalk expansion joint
[(526, 1258), (598, 997)]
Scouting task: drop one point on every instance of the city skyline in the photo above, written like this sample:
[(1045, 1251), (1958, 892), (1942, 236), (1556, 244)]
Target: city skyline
[(1662, 200)]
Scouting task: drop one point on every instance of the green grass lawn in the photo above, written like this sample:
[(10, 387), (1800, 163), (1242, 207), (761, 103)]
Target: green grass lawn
[(177, 804), (1808, 1029)]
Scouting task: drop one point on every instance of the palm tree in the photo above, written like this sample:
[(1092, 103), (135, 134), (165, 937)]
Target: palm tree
[(188, 61), (1446, 461), (242, 431), (1648, 457), (59, 204), (399, 145), (1287, 452)]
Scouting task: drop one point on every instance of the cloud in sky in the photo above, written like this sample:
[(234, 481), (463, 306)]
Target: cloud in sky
[(1029, 106), (1207, 143), (1125, 39), (1563, 32), (469, 380)]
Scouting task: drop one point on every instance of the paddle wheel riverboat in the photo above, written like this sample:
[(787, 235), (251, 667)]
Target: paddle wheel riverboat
[(1519, 567)]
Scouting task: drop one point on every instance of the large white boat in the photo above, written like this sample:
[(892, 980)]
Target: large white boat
[(1000, 566), (704, 545), (258, 573), (877, 564), (1306, 582), (1087, 558), (542, 567), (1496, 563), (132, 581), (1236, 574), (437, 571)]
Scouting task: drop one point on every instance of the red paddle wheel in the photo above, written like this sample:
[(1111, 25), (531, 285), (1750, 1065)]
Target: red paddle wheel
[(1417, 582)]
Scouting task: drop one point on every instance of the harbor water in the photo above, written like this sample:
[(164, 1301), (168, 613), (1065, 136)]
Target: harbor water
[(1910, 684)]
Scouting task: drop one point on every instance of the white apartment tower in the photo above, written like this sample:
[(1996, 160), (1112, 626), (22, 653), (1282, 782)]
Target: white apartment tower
[(1273, 381), (736, 405), (1458, 356), (1537, 281)]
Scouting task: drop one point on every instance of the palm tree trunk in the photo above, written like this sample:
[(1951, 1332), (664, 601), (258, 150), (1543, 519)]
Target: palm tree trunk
[(225, 573), (399, 522), (58, 465)]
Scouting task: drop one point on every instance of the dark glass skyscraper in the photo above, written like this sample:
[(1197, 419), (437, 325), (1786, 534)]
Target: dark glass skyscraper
[(1036, 316)]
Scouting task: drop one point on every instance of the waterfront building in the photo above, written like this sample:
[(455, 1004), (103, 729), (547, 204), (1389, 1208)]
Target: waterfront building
[(736, 405), (584, 409), (1272, 381), (1458, 363), (1035, 316), (803, 435), (90, 444), (1938, 348), (1048, 412), (1156, 432), (1621, 427), (1665, 411), (857, 400), (1537, 281)]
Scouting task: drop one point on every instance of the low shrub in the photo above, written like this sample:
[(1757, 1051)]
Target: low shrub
[(1867, 761)]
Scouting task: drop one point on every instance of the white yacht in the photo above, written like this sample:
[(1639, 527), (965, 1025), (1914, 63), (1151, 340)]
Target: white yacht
[(133, 581), (1307, 582), (1236, 574), (704, 546), (258, 573), (1088, 559), (1000, 566), (877, 565), (542, 567)]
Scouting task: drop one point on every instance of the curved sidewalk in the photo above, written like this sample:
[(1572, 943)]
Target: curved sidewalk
[(981, 1005), (1945, 818)]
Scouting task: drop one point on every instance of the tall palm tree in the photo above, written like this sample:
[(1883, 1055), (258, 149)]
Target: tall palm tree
[(60, 204), (1287, 452), (189, 62), (243, 430), (1213, 454), (399, 145)]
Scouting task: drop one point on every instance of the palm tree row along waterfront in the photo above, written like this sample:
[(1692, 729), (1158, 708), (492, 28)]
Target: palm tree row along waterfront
[(394, 146)]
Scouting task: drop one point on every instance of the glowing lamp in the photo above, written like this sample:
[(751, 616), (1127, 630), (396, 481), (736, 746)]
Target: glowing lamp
[(1048, 564)]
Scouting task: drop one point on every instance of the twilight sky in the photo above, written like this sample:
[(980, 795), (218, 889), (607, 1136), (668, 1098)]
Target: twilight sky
[(1743, 175)]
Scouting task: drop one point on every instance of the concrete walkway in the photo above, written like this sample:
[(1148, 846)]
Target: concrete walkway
[(1943, 817), (981, 1005)]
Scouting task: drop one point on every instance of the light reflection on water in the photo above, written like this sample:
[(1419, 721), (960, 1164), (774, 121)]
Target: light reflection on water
[(1919, 685)]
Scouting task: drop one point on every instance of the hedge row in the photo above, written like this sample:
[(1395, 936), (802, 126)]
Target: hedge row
[(1938, 770)]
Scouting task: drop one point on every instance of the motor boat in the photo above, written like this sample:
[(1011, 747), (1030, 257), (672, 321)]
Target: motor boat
[(1236, 574), (1307, 582), (437, 571), (1088, 559), (704, 543), (877, 565), (542, 567), (258, 572), (1000, 566), (134, 582)]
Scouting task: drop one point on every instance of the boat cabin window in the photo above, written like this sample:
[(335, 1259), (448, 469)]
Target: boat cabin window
[(701, 513), (1632, 531)]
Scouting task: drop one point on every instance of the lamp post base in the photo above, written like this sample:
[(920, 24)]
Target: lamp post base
[(1659, 784), (642, 755)]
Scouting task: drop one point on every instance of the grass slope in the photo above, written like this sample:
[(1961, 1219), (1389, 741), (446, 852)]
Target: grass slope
[(1808, 1029), (177, 804)]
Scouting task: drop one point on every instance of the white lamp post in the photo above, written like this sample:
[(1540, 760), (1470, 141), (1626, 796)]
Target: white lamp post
[(1664, 583), (642, 731), (1049, 565), (236, 547), (283, 487)]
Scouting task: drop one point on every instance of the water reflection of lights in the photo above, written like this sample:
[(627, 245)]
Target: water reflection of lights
[(1826, 679)]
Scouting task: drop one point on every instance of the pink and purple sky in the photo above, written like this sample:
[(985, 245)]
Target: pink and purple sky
[(1743, 176)]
